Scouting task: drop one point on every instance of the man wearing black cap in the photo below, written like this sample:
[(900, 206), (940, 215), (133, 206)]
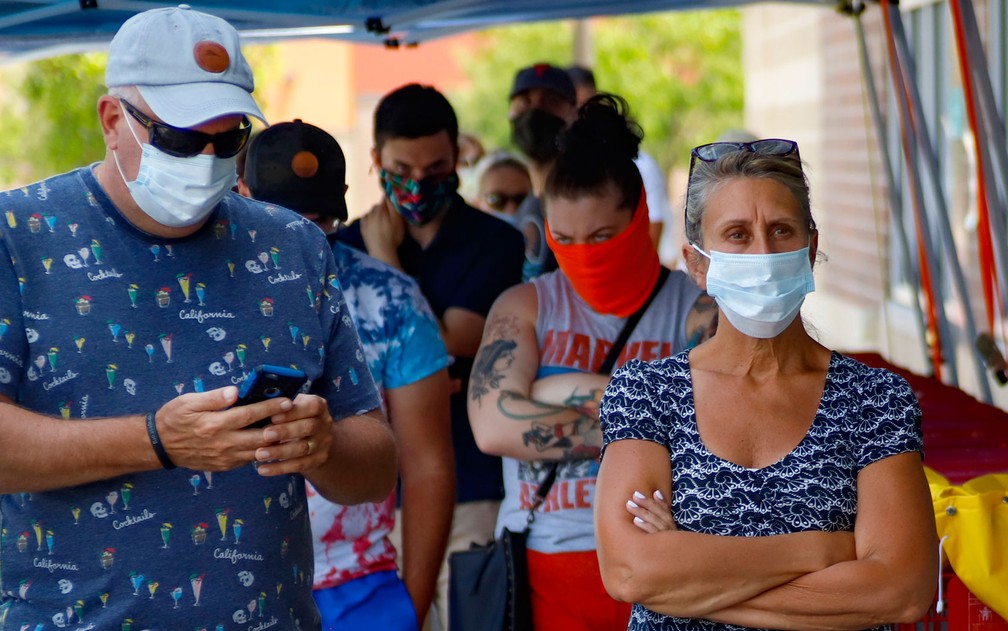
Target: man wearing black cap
[(302, 167), (543, 103), (136, 293)]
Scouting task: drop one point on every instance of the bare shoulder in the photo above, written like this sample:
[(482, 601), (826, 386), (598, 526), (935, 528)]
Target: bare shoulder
[(519, 304)]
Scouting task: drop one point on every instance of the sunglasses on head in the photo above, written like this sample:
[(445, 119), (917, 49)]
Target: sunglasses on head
[(186, 143), (499, 201), (714, 151)]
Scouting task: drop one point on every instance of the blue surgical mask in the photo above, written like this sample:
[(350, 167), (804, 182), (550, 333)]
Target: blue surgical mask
[(175, 191), (760, 294)]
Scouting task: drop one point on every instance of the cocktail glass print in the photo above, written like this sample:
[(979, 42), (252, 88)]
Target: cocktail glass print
[(166, 345), (222, 520), (195, 480), (126, 493), (166, 530), (152, 587), (196, 582), (201, 294), (176, 594), (137, 581), (236, 528), (184, 281)]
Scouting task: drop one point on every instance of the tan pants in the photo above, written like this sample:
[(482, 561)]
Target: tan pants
[(472, 522)]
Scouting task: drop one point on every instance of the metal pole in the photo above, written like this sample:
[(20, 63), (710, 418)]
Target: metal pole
[(920, 213), (895, 199), (930, 161), (995, 154)]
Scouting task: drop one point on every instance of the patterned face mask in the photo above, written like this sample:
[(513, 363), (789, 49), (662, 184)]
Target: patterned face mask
[(419, 201)]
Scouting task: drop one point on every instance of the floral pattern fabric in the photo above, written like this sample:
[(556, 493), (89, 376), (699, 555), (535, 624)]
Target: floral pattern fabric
[(864, 415)]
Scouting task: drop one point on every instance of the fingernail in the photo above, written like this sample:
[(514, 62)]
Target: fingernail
[(631, 504), (658, 496), (271, 435), (638, 521), (639, 496)]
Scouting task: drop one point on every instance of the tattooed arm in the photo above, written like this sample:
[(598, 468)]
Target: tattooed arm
[(505, 418)]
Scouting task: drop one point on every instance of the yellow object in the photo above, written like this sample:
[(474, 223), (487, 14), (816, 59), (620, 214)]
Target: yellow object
[(974, 516)]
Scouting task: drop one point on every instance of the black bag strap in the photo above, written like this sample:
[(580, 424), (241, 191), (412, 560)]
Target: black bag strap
[(604, 369), (630, 325)]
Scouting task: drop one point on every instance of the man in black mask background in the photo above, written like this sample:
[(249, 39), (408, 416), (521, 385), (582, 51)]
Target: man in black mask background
[(543, 103)]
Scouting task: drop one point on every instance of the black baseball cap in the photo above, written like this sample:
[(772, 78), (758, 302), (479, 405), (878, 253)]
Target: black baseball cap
[(298, 166), (544, 76)]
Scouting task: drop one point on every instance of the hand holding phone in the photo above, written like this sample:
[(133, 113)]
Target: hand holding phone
[(267, 381)]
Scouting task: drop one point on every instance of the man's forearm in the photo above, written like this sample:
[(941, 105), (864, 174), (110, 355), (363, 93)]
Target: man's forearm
[(362, 464), (42, 453), (428, 505)]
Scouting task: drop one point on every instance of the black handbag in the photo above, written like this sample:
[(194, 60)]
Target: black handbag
[(488, 586)]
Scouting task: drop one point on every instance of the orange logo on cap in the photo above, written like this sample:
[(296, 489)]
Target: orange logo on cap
[(304, 164), (211, 56)]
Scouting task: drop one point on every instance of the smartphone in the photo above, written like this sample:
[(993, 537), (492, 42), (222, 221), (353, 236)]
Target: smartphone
[(269, 382)]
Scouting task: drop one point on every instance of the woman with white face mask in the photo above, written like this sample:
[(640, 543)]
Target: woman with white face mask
[(761, 480)]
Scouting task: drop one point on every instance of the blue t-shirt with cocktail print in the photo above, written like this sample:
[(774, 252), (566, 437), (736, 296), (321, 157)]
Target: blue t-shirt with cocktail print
[(100, 319)]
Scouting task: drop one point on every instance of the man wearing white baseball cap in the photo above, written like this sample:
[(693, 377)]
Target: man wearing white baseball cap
[(137, 295)]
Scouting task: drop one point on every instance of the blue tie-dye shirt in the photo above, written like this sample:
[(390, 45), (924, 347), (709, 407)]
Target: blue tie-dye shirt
[(403, 346)]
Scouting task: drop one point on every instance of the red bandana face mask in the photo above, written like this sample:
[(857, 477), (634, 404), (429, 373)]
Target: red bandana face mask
[(615, 276)]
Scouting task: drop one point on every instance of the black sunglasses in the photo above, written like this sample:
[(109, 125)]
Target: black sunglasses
[(499, 201), (186, 143), (713, 151)]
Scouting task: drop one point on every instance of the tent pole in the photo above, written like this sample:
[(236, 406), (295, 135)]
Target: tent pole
[(895, 199), (932, 280), (930, 161), (994, 151)]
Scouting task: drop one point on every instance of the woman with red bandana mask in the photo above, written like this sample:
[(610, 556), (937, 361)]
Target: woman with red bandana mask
[(535, 388)]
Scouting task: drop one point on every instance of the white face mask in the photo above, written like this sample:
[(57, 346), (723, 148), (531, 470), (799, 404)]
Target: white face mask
[(761, 294), (178, 192)]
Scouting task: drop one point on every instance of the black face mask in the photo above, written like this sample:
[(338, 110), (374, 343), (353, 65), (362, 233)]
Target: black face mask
[(535, 133)]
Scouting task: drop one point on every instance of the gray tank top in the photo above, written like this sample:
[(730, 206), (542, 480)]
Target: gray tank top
[(573, 337)]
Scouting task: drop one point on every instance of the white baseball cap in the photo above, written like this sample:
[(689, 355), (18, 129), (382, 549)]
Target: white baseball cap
[(187, 65)]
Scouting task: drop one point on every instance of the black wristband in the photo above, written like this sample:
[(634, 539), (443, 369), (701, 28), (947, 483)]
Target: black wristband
[(156, 443)]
